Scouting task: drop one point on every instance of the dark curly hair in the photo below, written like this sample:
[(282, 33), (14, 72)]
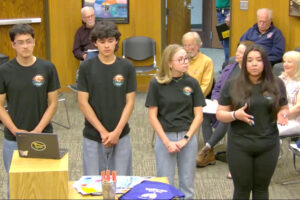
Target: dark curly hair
[(105, 29)]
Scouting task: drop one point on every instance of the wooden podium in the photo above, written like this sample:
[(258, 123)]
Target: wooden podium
[(33, 178)]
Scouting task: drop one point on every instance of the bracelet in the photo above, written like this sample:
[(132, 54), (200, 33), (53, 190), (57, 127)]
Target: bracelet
[(233, 115)]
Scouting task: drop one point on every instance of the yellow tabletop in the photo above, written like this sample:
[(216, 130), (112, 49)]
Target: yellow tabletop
[(23, 165)]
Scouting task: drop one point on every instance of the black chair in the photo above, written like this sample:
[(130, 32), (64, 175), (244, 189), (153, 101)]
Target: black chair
[(231, 60), (296, 153), (278, 69), (140, 48), (3, 58), (91, 53)]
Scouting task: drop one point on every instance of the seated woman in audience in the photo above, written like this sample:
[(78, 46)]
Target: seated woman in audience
[(291, 79), (252, 103), (175, 102), (206, 155)]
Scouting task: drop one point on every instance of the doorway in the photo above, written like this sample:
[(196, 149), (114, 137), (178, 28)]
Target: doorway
[(183, 16), (209, 34), (178, 20)]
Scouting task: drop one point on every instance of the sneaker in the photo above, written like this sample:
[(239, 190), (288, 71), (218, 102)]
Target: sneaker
[(205, 157), (73, 87)]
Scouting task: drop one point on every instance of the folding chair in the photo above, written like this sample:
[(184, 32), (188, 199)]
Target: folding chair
[(61, 98), (296, 153), (140, 48), (278, 69)]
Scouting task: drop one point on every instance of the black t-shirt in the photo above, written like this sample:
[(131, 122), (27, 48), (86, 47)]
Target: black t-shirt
[(265, 130), (26, 90), (107, 86), (175, 102)]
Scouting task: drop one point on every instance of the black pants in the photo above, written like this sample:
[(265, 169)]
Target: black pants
[(212, 138), (251, 169)]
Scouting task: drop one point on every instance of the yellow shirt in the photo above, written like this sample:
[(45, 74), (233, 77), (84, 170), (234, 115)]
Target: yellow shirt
[(201, 68)]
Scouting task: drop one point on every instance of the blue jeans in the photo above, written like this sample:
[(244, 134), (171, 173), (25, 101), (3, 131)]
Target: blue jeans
[(97, 158), (185, 160), (8, 150), (225, 43)]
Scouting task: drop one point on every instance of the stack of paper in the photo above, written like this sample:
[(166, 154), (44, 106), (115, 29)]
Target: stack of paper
[(91, 185), (211, 107), (294, 146)]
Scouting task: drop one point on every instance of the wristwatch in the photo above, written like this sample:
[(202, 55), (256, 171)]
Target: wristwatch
[(186, 137)]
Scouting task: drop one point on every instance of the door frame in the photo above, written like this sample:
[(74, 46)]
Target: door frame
[(210, 37)]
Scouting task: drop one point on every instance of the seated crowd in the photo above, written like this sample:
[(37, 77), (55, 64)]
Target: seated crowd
[(255, 107)]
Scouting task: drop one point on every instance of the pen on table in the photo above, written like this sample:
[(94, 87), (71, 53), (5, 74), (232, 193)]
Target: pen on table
[(107, 175), (114, 175), (103, 176)]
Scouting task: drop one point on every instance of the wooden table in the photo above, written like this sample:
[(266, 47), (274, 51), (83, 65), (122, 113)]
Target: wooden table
[(34, 178)]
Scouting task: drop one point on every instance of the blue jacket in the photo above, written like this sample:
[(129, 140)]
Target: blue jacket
[(272, 40)]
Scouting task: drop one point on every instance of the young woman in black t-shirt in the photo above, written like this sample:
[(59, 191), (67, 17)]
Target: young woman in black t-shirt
[(175, 105), (253, 103)]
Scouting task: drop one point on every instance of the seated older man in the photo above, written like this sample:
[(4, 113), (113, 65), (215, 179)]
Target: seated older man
[(267, 35)]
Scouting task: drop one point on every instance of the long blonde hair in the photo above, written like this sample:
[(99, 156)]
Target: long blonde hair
[(295, 56), (164, 74)]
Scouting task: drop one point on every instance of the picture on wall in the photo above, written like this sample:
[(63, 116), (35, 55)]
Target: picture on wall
[(295, 8), (114, 10)]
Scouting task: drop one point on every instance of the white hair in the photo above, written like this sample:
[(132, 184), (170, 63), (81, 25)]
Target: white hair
[(195, 35), (270, 12), (86, 8)]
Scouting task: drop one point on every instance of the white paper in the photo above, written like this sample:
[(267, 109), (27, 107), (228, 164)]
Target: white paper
[(294, 146), (93, 183), (211, 106)]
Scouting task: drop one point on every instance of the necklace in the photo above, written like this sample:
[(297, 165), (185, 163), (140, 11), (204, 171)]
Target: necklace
[(177, 79)]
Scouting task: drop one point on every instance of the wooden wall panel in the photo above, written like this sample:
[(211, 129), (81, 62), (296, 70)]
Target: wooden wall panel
[(144, 20), (64, 19), (244, 19), (23, 9)]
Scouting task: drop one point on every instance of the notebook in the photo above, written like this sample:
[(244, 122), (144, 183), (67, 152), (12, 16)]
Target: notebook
[(39, 145), (223, 31)]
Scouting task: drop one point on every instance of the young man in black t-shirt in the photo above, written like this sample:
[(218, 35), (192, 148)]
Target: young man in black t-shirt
[(106, 96), (29, 87)]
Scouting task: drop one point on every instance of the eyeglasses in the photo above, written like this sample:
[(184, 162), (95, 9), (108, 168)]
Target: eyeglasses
[(183, 60), (23, 42), (89, 16), (188, 45)]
